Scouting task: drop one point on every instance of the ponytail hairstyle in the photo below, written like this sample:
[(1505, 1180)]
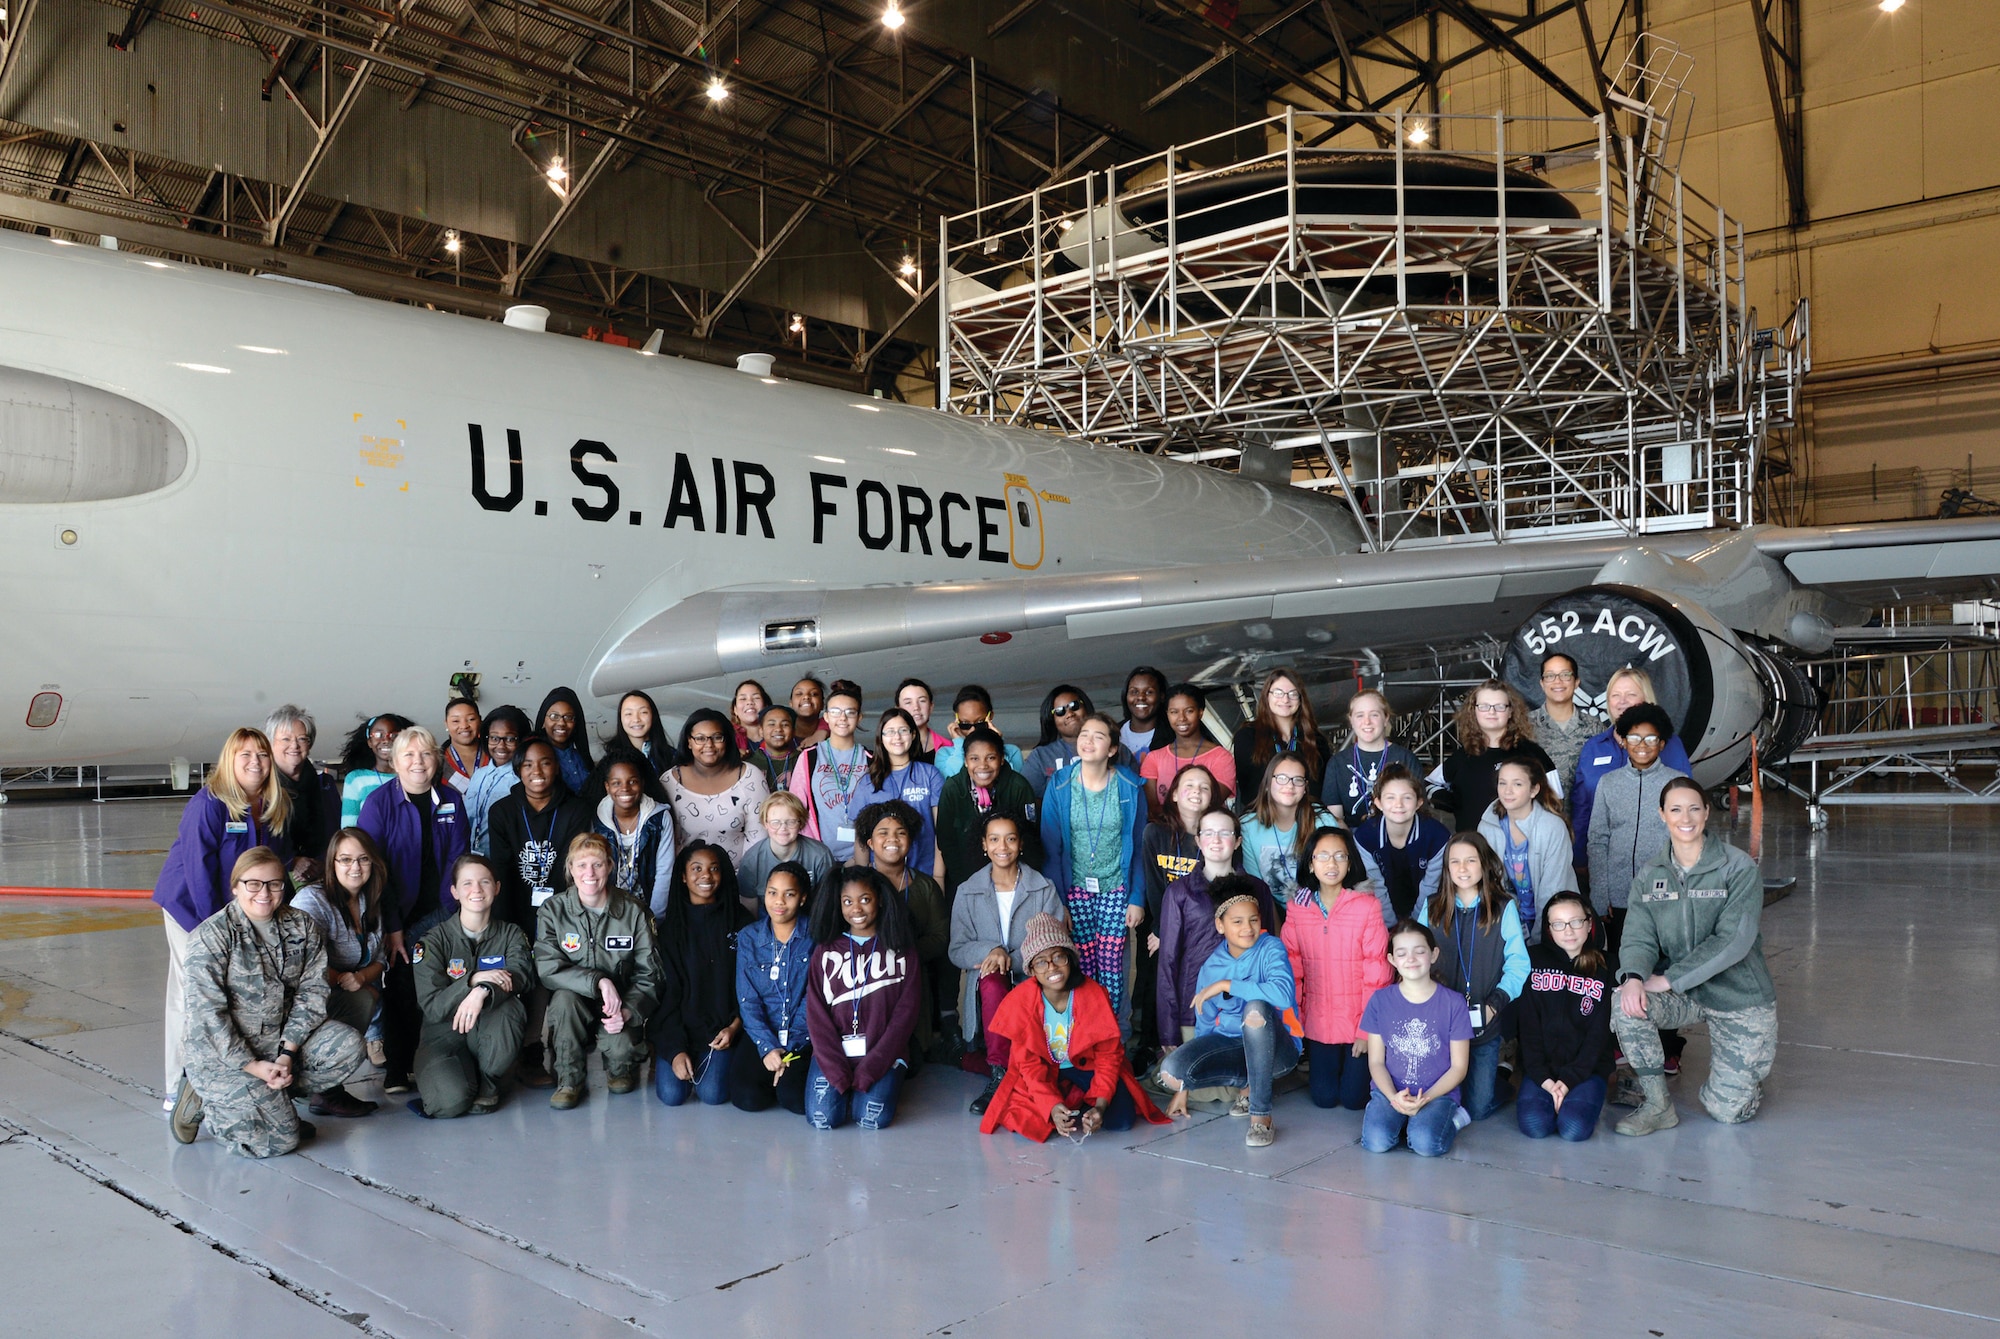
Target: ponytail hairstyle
[(1589, 959), (1496, 894)]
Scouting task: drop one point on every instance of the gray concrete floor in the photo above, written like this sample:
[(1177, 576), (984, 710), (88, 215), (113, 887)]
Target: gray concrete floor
[(1858, 1203)]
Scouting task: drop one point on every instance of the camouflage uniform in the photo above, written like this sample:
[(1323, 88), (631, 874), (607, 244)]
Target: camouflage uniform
[(575, 948), (1700, 931), (453, 1066), (246, 1000)]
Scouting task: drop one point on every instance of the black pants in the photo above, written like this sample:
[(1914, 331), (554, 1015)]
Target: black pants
[(401, 1019), (1671, 1041), (750, 1086)]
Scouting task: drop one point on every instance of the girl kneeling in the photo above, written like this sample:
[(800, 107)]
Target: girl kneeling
[(862, 1001), (1419, 1047), (1242, 1038), (1566, 1052), (1066, 1068)]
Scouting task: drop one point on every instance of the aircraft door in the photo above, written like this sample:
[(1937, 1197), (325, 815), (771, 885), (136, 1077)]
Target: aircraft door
[(1024, 524)]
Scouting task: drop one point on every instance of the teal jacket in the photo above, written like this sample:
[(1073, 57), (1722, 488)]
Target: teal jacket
[(1702, 930)]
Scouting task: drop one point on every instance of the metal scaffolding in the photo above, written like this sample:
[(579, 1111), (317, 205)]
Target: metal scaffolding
[(1553, 338)]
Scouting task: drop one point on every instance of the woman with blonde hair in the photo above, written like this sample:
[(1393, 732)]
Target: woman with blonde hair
[(1605, 752), (422, 829), (1492, 726), (241, 807)]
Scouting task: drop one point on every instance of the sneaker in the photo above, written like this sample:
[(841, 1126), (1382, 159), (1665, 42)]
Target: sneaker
[(1460, 1118), (1260, 1134), (396, 1083), (488, 1100), (1241, 1106), (622, 1082), (1673, 1066), (338, 1102), (562, 1099), (985, 1099), (186, 1119), (378, 1056)]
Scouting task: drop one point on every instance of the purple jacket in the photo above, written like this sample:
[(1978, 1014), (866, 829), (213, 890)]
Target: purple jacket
[(1187, 938), (194, 883), (388, 816)]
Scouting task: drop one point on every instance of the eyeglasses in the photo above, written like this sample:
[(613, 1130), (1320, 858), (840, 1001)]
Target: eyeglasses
[(1642, 739), (1569, 925), (1216, 834), (1493, 708), (844, 713), (1559, 677), (1283, 694), (261, 885), (1330, 853), (352, 861), (711, 739), (1288, 783), (1066, 709)]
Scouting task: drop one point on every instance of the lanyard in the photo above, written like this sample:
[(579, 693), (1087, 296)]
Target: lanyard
[(1360, 783), (544, 864), (854, 1028), (1094, 824), (1458, 943), (784, 963), (853, 773)]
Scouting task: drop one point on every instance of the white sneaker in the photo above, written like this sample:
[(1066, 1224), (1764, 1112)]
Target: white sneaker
[(1461, 1118)]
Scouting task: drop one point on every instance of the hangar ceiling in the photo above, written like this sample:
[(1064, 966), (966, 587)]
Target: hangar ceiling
[(736, 173)]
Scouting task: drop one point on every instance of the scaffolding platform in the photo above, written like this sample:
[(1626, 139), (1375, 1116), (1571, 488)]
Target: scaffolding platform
[(1463, 327)]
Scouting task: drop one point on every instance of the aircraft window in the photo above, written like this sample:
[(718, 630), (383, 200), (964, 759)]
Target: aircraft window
[(1021, 510), (797, 635), (43, 709)]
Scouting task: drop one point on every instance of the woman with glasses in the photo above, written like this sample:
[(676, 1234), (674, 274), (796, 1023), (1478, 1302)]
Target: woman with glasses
[(1187, 927), (830, 774), (972, 710), (896, 773), (348, 907), (714, 793), (1561, 726), (1492, 727), (1278, 826), (1283, 723), (560, 721), (1093, 825), (1624, 690)]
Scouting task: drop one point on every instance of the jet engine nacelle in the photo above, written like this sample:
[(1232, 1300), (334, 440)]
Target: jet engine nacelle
[(1722, 689)]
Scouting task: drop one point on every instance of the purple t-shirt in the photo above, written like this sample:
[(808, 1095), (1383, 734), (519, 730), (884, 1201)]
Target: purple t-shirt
[(1416, 1038)]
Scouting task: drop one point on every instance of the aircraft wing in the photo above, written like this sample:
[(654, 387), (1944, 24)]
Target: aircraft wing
[(1444, 595)]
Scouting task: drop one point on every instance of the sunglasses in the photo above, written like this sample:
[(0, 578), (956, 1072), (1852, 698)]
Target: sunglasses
[(1067, 709)]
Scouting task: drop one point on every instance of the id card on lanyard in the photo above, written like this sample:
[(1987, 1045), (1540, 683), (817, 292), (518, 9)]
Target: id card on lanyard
[(1474, 1014), (853, 1043)]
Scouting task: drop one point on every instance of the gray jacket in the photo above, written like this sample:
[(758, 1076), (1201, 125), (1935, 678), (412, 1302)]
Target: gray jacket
[(1549, 853), (1626, 831), (975, 917)]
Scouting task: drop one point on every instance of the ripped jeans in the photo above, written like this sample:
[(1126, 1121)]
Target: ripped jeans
[(827, 1108), (1264, 1052)]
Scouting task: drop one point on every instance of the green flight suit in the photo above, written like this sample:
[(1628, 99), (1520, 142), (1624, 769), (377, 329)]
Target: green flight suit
[(575, 948), (453, 1066)]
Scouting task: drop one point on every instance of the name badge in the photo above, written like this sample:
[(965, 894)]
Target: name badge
[(843, 835), (494, 964), (540, 895), (446, 810), (235, 827), (618, 943), (1601, 758), (1708, 892), (1476, 1016), (1667, 896), (1089, 884), (784, 1038), (853, 1045)]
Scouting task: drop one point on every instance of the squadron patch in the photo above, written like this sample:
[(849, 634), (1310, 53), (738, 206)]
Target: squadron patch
[(455, 968), (572, 941), (417, 954)]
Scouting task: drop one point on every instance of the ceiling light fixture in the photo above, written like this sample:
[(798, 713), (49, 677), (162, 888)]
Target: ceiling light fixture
[(1891, 6), (798, 326), (1420, 133), (717, 90), (451, 242), (908, 268), (892, 17), (557, 173)]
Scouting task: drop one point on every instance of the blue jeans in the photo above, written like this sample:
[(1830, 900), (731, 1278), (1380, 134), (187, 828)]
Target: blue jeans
[(1575, 1120), (1338, 1076), (1253, 1060), (1429, 1132), (1118, 1117), (827, 1108), (1481, 1090), (710, 1082)]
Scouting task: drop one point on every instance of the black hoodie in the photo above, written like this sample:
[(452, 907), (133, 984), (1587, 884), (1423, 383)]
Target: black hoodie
[(1565, 1019), (698, 983)]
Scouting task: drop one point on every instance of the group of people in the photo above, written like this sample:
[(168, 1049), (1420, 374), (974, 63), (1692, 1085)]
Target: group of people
[(776, 911)]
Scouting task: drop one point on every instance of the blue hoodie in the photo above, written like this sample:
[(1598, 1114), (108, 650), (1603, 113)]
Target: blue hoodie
[(1055, 829), (1264, 972), (1603, 753), (771, 980)]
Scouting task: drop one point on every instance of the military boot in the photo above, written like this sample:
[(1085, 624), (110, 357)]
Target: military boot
[(1658, 1112), (186, 1120), (563, 1099)]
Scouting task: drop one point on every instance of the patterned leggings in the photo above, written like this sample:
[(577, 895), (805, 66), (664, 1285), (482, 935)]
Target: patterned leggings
[(1097, 922)]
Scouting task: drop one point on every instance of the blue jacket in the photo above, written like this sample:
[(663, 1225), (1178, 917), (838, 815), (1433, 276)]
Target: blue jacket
[(1603, 753), (770, 1005), (1055, 829), (390, 818), (652, 859), (1264, 972), (950, 758), (194, 883)]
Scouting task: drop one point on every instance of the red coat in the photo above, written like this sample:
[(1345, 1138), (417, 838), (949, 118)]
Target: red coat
[(1033, 1083)]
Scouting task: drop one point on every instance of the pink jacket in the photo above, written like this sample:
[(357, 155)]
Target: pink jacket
[(1339, 958)]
